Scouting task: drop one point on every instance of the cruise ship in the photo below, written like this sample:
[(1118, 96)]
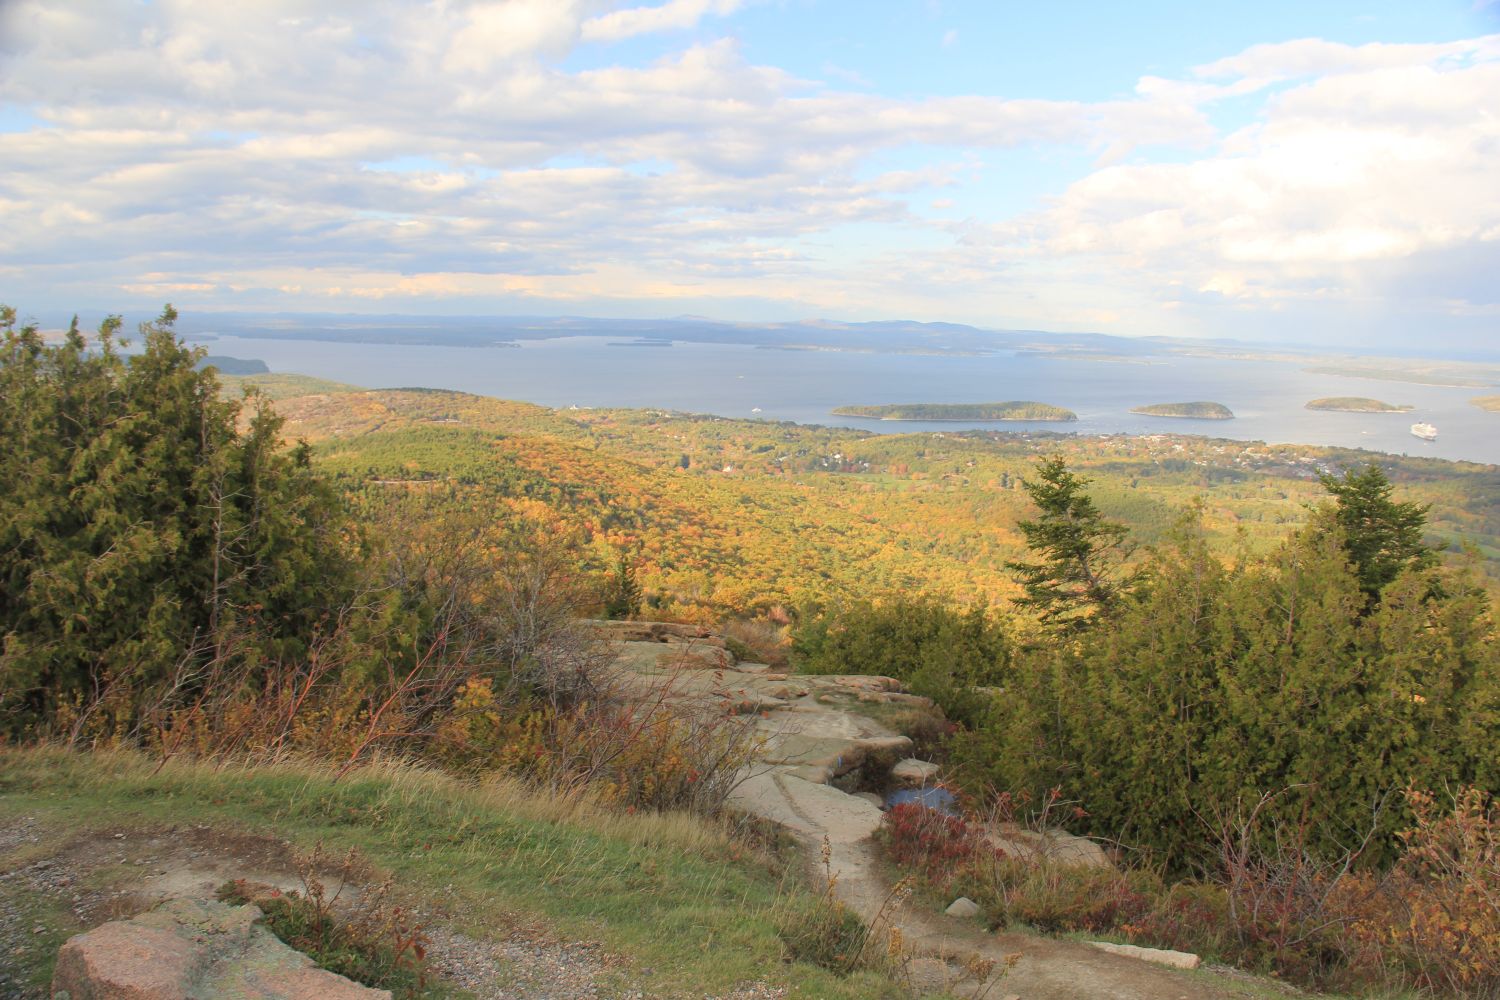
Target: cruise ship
[(1425, 431)]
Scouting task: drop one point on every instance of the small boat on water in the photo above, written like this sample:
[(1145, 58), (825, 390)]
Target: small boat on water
[(1424, 430)]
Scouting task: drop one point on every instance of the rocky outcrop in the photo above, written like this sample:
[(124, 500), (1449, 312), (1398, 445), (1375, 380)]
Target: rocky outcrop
[(191, 949)]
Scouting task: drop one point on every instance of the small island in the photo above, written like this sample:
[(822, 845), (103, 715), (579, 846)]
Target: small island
[(1357, 404), (1010, 410), (1201, 410), (233, 366), (1490, 403)]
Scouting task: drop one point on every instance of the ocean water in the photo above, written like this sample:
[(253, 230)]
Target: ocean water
[(1267, 397)]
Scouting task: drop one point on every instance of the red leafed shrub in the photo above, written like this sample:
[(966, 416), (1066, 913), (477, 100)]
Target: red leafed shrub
[(933, 844)]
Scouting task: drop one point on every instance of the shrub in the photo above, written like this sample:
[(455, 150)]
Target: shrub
[(758, 640), (1436, 920), (934, 845), (1061, 897), (937, 651)]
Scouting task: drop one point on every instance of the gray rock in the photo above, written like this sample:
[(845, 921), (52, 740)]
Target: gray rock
[(189, 948), (915, 773), (964, 907)]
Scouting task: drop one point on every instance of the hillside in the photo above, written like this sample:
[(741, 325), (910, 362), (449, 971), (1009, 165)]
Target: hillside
[(731, 515), (1011, 410), (1199, 410), (1357, 404)]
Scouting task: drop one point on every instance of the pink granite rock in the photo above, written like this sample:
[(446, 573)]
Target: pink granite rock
[(189, 949)]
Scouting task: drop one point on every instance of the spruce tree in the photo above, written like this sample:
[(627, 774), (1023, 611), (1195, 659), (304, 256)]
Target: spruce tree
[(1079, 551), (1380, 536)]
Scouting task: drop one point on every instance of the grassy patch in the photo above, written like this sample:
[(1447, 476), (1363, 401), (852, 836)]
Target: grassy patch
[(681, 897)]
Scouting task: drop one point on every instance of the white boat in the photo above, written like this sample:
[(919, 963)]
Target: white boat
[(1424, 430)]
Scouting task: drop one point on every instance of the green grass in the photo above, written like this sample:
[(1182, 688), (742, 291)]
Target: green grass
[(681, 897)]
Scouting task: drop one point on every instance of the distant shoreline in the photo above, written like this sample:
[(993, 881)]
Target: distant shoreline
[(1020, 411)]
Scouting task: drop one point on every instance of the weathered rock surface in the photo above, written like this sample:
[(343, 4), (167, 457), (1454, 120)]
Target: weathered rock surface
[(1161, 956), (1057, 846), (191, 949), (913, 773)]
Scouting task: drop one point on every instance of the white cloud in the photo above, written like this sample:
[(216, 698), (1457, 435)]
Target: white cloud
[(670, 16), (206, 148)]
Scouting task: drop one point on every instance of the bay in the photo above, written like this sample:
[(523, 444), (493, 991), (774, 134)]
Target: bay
[(1268, 397)]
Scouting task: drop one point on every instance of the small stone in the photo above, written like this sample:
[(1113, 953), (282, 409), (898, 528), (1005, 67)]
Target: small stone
[(963, 907)]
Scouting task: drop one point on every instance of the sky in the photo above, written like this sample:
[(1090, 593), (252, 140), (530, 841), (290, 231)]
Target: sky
[(1319, 172)]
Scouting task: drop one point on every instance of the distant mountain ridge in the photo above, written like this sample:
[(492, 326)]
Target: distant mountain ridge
[(826, 334), (895, 336)]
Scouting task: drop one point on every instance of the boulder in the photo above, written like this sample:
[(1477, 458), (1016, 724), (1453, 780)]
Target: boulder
[(963, 906), (913, 773), (188, 949)]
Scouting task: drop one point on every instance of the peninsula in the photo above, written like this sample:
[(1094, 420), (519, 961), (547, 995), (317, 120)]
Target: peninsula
[(1010, 410), (1357, 404), (1201, 410)]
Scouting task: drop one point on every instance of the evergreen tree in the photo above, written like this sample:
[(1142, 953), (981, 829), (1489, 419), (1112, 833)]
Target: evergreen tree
[(140, 528), (1078, 549), (1380, 536), (623, 597)]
